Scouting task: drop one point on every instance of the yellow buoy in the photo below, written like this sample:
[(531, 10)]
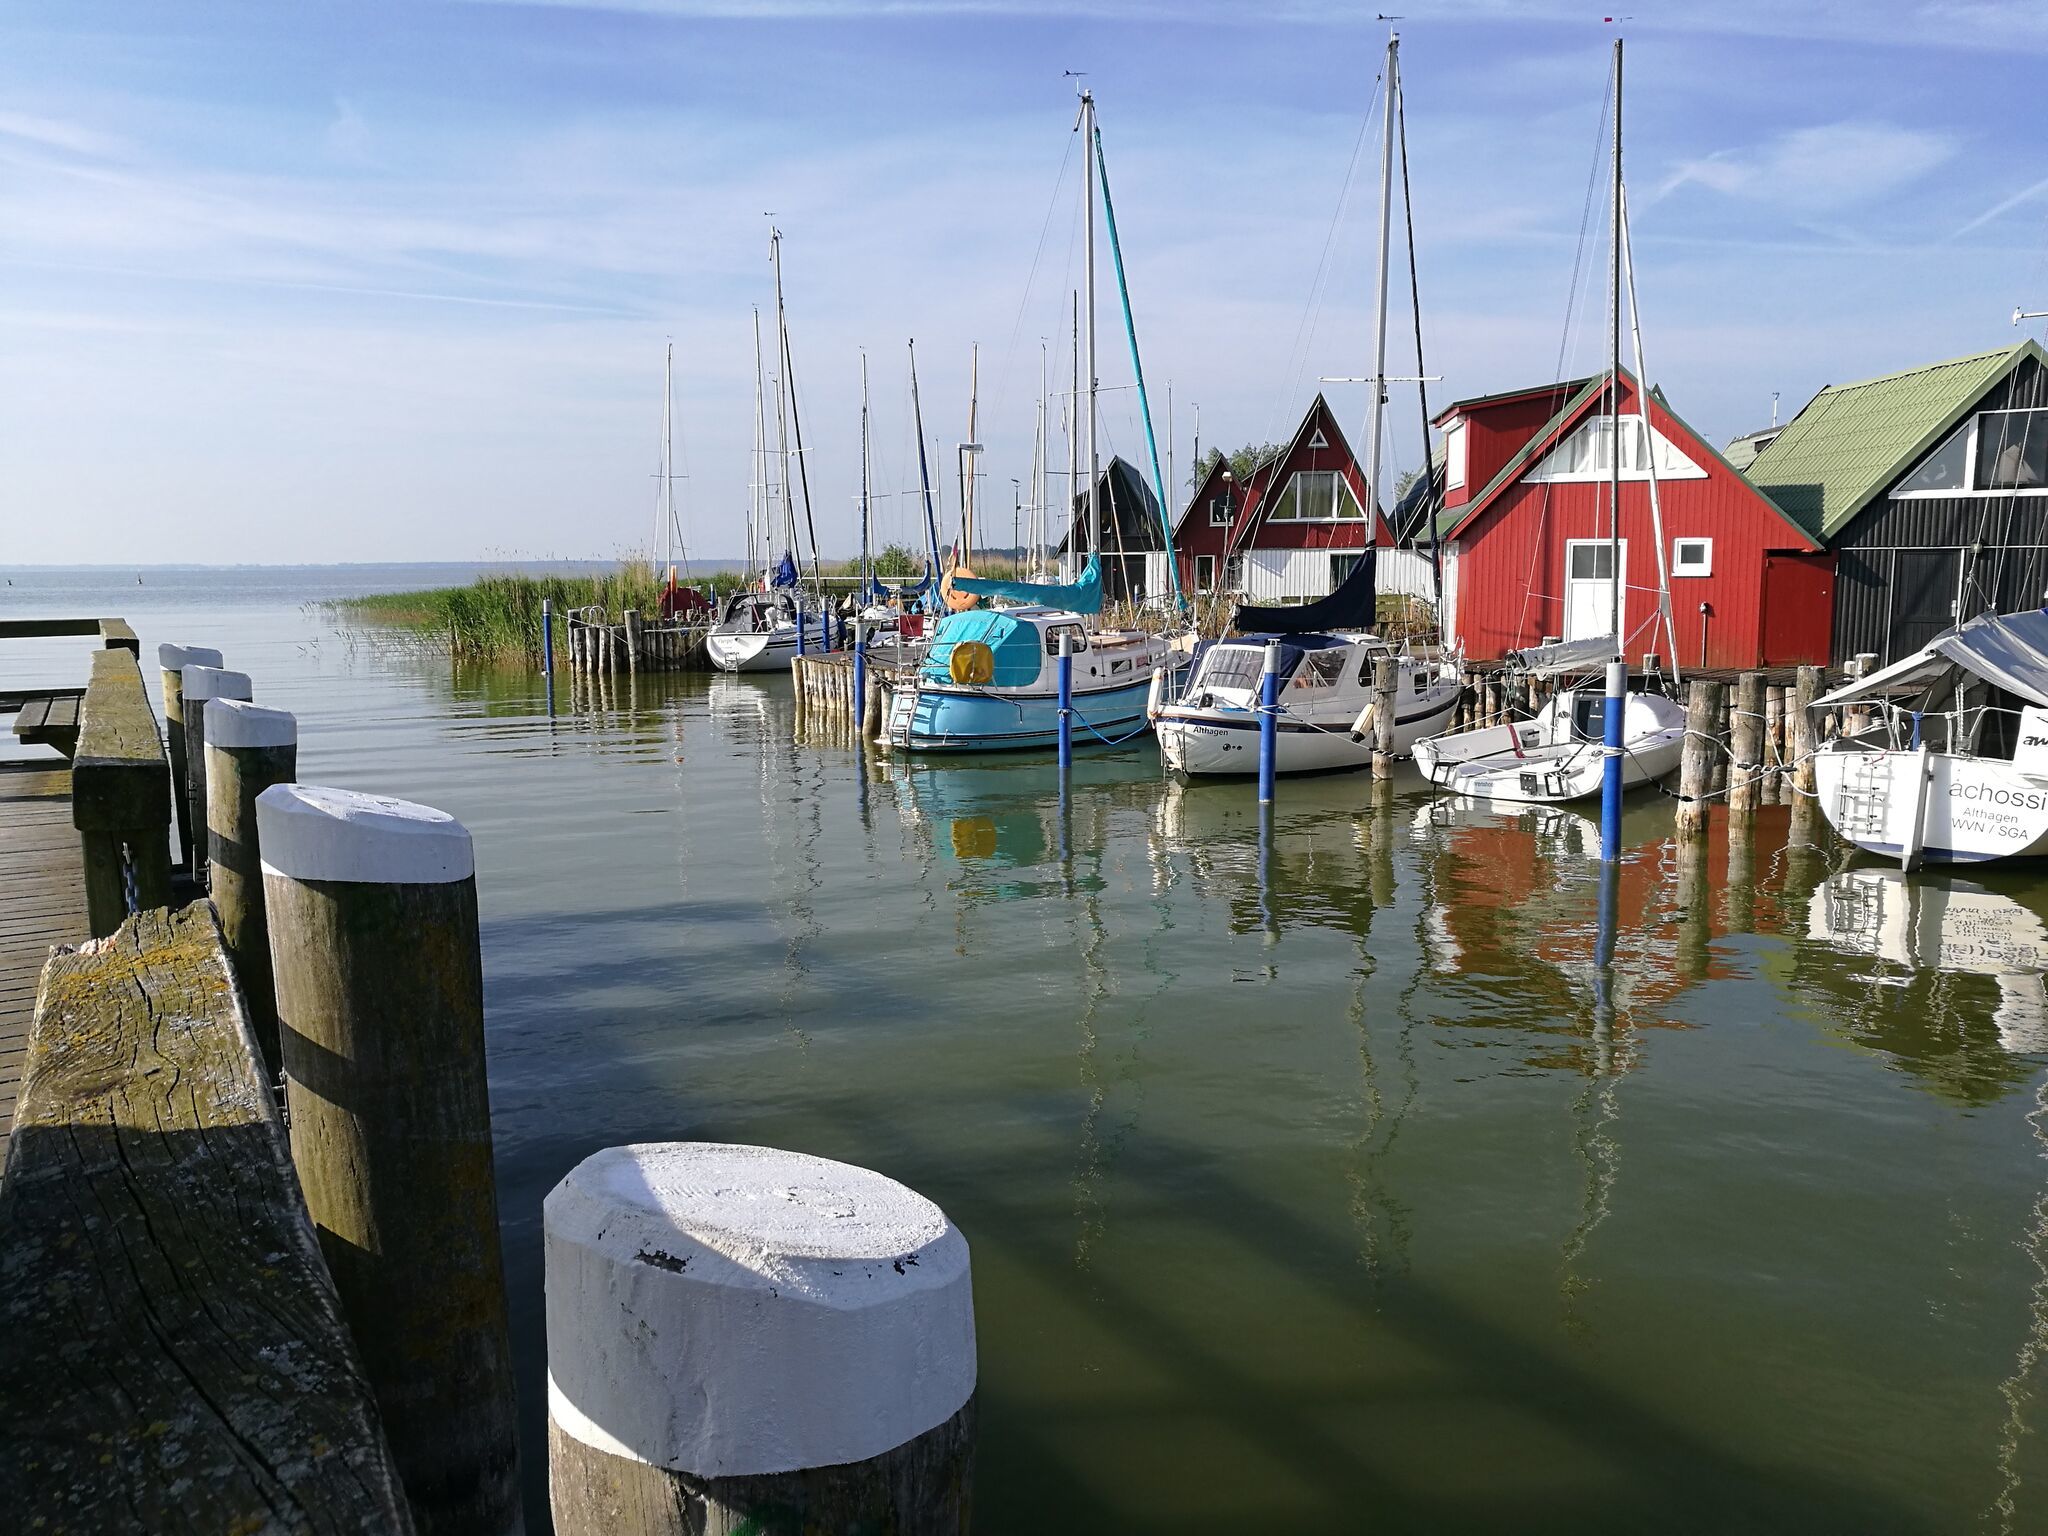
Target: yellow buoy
[(971, 662)]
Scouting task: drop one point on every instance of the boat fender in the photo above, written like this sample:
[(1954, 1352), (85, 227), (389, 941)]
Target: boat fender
[(971, 662), (1155, 695), (1362, 727)]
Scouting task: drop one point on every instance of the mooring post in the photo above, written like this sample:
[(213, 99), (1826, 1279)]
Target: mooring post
[(1610, 776), (248, 749), (173, 660), (745, 1339), (1269, 720), (373, 926), (1066, 685), (547, 637), (634, 635), (1774, 741), (1386, 693), (1805, 741), (201, 684), (1697, 758), (1745, 772)]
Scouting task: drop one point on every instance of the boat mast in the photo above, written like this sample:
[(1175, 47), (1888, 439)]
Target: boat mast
[(803, 469), (1635, 325), (968, 450), (668, 478), (1379, 344), (757, 503), (1073, 415), (861, 601), (924, 472), (781, 396), (1614, 383), (1088, 263), (1430, 509), (1038, 484)]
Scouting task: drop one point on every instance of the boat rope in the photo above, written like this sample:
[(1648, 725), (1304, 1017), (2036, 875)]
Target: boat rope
[(1139, 729)]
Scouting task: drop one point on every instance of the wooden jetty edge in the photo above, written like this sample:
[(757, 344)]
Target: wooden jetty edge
[(163, 1304)]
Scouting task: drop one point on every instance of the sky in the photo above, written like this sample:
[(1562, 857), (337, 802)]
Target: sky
[(331, 282)]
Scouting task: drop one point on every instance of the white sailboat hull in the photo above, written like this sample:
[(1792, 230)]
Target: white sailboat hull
[(764, 652), (1915, 805), (1528, 764), (1220, 741)]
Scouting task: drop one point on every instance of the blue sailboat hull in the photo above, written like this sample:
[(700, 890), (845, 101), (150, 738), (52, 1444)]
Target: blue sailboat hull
[(946, 719)]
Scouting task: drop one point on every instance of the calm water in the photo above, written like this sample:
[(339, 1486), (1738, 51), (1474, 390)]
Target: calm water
[(1333, 1186)]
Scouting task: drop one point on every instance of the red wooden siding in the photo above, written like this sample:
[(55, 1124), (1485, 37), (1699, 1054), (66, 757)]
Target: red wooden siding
[(1495, 432), (1796, 588), (1511, 564)]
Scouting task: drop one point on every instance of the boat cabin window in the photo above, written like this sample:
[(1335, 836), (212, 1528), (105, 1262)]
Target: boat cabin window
[(1233, 666), (1052, 638), (1589, 716), (1320, 669)]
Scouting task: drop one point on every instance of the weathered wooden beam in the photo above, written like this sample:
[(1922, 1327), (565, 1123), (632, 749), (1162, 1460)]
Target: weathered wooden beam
[(43, 629), (170, 1341), (121, 795), (117, 635)]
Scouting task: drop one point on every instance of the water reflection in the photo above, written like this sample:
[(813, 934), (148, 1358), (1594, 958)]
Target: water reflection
[(1956, 994)]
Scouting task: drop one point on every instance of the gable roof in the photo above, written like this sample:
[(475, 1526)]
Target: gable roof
[(1553, 431), (1852, 441), (1259, 482), (1563, 389), (1130, 512), (1201, 495)]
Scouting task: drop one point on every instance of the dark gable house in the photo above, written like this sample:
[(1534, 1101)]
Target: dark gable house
[(1931, 486), (1129, 515)]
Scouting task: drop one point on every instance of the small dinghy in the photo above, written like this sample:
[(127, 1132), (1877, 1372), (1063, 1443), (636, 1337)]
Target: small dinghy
[(1559, 755), (1940, 775)]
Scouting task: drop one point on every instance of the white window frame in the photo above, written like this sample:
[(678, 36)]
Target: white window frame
[(1205, 582), (1219, 511), (1344, 494), (1704, 566), (1970, 431), (1687, 468), (1353, 555), (1454, 455)]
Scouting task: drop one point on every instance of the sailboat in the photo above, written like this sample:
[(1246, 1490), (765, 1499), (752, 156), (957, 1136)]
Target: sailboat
[(989, 679), (1327, 658), (1561, 755), (761, 629)]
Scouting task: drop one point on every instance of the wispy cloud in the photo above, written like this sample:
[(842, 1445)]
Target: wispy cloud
[(1828, 168), (2004, 206)]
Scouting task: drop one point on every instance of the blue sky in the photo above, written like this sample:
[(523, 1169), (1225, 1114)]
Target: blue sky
[(333, 282)]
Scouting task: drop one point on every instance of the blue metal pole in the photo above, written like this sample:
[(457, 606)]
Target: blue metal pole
[(1066, 703), (547, 636), (825, 627), (860, 677), (800, 622), (1610, 781), (1269, 720)]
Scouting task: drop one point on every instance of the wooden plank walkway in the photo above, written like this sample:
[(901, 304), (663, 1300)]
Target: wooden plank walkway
[(44, 881)]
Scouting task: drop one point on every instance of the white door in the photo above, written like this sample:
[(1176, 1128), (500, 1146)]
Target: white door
[(1589, 577)]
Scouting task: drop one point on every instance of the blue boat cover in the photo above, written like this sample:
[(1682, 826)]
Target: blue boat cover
[(1015, 646), (1083, 596)]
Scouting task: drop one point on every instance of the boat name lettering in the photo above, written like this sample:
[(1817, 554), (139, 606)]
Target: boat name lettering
[(2033, 800)]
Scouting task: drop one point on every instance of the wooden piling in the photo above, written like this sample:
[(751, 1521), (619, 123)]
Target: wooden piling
[(1804, 740), (825, 1386), (1386, 693), (201, 684), (632, 629), (373, 925), (248, 749), (1774, 743), (172, 660), (1746, 771), (1697, 759)]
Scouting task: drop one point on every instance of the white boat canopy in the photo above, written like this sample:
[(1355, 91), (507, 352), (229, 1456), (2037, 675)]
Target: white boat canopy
[(2007, 650), (1568, 656)]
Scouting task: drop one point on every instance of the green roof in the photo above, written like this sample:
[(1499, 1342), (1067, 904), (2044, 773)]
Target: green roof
[(1854, 440)]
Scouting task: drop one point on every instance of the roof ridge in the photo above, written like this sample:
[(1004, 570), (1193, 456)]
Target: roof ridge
[(1907, 373)]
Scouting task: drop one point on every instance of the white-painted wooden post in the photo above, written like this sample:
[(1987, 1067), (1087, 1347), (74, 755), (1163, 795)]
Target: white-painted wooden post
[(379, 968), (173, 660), (744, 1338), (248, 749), (203, 683)]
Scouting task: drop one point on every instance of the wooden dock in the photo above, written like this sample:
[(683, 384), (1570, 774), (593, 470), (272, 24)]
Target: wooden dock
[(39, 852)]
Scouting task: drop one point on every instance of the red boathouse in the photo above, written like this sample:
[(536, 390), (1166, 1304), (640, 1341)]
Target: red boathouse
[(1526, 525)]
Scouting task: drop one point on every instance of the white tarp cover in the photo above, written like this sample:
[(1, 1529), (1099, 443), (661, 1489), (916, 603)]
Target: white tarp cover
[(2006, 650), (1569, 656)]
